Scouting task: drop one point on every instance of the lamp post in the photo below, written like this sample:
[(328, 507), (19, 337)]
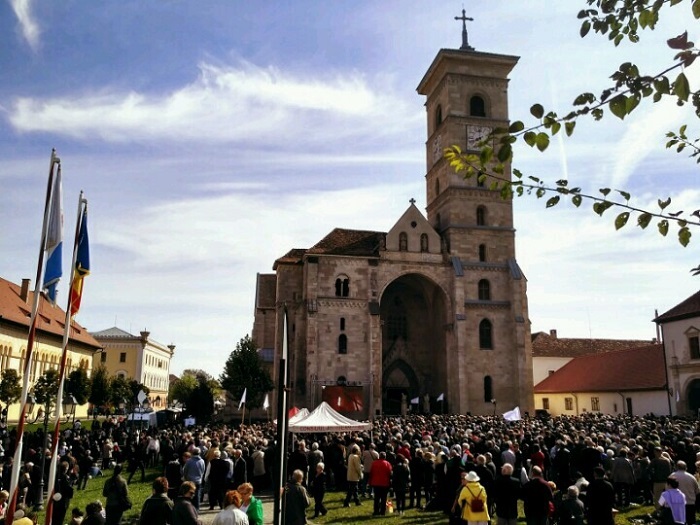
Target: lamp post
[(68, 406)]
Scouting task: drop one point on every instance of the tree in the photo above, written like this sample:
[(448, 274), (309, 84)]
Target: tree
[(10, 387), (120, 392), (46, 389), (78, 385), (100, 392), (196, 389), (618, 20), (244, 371), (182, 388)]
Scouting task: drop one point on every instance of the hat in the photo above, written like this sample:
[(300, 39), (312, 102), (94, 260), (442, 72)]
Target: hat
[(472, 476)]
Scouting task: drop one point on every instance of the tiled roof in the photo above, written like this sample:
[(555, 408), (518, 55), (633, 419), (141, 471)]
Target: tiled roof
[(293, 256), (549, 345), (114, 332), (688, 308), (349, 242), (51, 319), (623, 370)]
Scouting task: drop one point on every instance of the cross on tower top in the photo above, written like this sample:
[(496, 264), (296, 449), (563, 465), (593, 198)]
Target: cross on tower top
[(465, 39), (412, 200)]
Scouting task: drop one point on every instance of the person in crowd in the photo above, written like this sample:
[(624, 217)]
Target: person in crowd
[(158, 509), (251, 505), (117, 494), (416, 467), (4, 496), (63, 492), (506, 493), (76, 516), (674, 500), (184, 511), (296, 500), (240, 470), (354, 475), (173, 473), (688, 485), (299, 459), (193, 471), (660, 469), (623, 478), (473, 500), (215, 476), (401, 481), (600, 499), (258, 469), (571, 511), (380, 480), (317, 488), (369, 456), (538, 499), (231, 513)]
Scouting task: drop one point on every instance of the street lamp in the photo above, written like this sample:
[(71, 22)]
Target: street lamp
[(31, 404), (68, 406)]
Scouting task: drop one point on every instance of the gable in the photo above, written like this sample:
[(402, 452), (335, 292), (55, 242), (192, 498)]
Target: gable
[(419, 234)]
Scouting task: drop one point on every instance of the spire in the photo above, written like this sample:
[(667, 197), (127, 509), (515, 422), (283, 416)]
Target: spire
[(465, 38)]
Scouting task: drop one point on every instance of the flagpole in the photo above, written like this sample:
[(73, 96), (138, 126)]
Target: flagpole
[(62, 370), (282, 422)]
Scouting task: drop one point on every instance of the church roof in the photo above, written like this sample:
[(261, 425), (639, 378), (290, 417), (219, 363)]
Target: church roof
[(349, 242), (115, 332), (16, 309), (684, 310), (549, 345), (622, 370), (293, 256)]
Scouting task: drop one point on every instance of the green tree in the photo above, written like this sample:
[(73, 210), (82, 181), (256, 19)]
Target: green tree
[(100, 392), (182, 388), (78, 385), (244, 370), (196, 389), (617, 20), (46, 389), (121, 392), (10, 387)]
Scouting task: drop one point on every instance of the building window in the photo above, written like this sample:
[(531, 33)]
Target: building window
[(342, 323), (481, 216), (424, 242), (595, 404), (343, 344), (484, 290), (122, 357), (485, 334), (488, 389), (103, 357), (342, 286), (403, 242), (438, 115), (482, 253), (545, 403), (694, 344), (477, 107), (568, 403)]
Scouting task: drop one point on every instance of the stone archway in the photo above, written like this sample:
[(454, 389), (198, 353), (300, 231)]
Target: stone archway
[(693, 397), (414, 363)]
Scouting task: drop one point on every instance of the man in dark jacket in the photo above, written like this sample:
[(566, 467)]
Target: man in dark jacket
[(416, 468), (506, 490), (537, 497), (600, 497), (184, 512), (296, 500), (240, 470), (158, 509)]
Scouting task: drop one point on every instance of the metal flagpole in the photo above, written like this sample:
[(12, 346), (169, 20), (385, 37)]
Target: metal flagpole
[(282, 423)]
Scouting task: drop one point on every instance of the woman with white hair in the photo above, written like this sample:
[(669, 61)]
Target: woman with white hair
[(571, 510)]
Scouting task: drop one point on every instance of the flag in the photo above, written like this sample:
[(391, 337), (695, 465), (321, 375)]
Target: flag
[(245, 391), (678, 396), (54, 240), (266, 403), (415, 401), (441, 397), (512, 415), (82, 265)]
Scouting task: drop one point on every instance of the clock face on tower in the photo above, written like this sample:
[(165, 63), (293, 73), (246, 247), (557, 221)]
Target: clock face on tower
[(476, 134)]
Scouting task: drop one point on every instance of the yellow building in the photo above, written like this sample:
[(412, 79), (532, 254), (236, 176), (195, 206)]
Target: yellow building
[(15, 311), (137, 357)]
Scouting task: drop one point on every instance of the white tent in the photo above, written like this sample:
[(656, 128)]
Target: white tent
[(325, 419), (298, 416)]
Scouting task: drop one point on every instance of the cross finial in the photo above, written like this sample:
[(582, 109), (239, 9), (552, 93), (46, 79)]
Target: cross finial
[(465, 39), (412, 200)]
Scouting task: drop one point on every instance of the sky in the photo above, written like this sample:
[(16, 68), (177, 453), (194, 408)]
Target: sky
[(212, 137)]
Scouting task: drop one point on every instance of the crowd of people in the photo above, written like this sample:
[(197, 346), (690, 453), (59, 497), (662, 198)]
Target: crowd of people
[(476, 469)]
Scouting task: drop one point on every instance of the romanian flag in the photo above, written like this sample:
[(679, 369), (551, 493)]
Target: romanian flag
[(82, 266), (54, 240)]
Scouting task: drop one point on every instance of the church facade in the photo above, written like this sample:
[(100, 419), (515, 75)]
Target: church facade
[(432, 315)]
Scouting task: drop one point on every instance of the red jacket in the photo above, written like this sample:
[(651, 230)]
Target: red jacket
[(381, 474)]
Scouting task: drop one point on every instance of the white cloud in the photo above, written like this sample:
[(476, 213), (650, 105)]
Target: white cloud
[(29, 28), (225, 104)]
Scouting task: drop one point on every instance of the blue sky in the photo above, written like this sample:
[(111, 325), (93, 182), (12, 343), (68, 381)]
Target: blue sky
[(212, 137)]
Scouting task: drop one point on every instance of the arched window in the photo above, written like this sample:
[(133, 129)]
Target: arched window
[(403, 242), (342, 344), (342, 286), (481, 216), (488, 389), (485, 335), (424, 242), (342, 323), (482, 253), (477, 106), (438, 115), (484, 290)]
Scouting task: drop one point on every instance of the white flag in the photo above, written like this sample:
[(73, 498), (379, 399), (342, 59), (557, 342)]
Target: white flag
[(266, 403), (441, 397), (512, 415), (245, 390), (414, 401), (678, 396)]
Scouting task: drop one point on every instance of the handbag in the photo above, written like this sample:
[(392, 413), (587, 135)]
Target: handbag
[(666, 516)]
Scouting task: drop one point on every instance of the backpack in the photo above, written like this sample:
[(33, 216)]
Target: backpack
[(476, 504)]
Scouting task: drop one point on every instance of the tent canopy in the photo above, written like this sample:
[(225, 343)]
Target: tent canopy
[(325, 419)]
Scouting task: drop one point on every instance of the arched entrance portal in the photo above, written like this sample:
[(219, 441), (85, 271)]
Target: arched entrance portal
[(694, 397), (413, 314)]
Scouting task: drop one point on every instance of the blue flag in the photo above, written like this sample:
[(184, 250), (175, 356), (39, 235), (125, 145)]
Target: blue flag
[(54, 240)]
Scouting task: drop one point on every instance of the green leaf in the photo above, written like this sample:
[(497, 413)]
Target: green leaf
[(604, 191), (505, 153), (486, 155), (576, 200), (537, 111), (618, 106), (664, 204), (600, 207), (516, 126), (540, 193), (696, 8), (553, 201), (681, 87), (562, 182), (663, 227), (542, 141), (530, 138), (585, 28), (684, 236), (569, 128), (555, 128), (644, 220), (631, 103), (624, 194), (621, 220)]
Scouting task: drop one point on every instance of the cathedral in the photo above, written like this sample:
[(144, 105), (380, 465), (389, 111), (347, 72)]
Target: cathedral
[(431, 316)]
